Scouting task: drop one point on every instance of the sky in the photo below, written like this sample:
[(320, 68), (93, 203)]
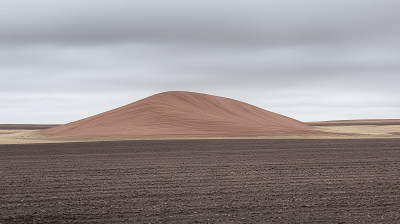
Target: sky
[(311, 60)]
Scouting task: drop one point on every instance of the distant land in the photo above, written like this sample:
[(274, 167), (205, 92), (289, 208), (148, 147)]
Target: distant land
[(189, 115)]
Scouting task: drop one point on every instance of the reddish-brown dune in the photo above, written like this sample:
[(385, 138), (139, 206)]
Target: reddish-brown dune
[(183, 114)]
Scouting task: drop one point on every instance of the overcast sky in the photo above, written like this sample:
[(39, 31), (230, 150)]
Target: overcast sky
[(308, 59)]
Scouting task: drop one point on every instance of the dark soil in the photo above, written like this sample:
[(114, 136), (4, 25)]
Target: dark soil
[(206, 181), (26, 126)]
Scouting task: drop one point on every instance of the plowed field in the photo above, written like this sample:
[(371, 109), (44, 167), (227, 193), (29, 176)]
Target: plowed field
[(213, 181)]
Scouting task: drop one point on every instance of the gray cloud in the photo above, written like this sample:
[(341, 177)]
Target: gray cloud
[(312, 60), (221, 21)]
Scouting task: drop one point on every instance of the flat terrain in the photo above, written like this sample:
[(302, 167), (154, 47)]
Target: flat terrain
[(349, 129), (26, 126), (356, 122), (385, 128), (213, 181)]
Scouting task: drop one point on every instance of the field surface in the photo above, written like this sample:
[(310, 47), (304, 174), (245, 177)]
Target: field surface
[(356, 122), (26, 126), (211, 181)]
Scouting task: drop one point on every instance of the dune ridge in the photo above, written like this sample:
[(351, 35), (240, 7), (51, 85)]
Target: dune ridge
[(179, 113)]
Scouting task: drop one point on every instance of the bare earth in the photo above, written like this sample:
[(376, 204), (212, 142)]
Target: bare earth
[(26, 126), (360, 128), (207, 181), (206, 159), (26, 134), (187, 114), (356, 122)]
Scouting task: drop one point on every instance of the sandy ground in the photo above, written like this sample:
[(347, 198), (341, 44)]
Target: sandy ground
[(386, 128), (202, 181), (327, 132), (356, 122), (342, 130), (364, 131), (21, 136)]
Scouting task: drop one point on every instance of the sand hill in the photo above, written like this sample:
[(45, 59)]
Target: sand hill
[(183, 114)]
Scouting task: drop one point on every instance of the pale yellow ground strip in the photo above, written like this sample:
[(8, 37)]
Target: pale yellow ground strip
[(368, 131), (24, 137), (329, 132)]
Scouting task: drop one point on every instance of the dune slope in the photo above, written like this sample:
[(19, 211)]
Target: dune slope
[(183, 114)]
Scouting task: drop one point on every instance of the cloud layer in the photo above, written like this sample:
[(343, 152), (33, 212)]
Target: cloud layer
[(311, 60)]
